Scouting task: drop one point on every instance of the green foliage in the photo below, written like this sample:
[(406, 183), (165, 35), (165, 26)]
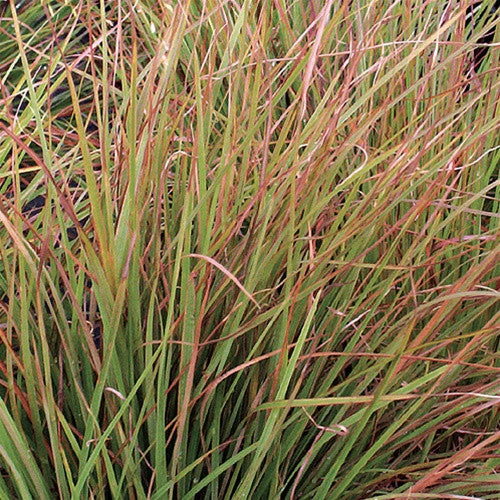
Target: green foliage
[(249, 249)]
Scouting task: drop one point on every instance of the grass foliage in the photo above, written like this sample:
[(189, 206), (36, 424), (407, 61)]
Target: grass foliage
[(249, 249)]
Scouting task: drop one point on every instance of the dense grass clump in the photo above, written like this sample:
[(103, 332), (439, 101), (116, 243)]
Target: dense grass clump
[(249, 249)]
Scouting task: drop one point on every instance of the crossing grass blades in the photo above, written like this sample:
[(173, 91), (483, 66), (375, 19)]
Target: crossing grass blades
[(249, 249)]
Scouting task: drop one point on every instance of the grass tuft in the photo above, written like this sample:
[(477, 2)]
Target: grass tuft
[(249, 249)]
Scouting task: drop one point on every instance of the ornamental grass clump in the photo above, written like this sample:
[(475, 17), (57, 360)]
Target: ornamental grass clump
[(249, 249)]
